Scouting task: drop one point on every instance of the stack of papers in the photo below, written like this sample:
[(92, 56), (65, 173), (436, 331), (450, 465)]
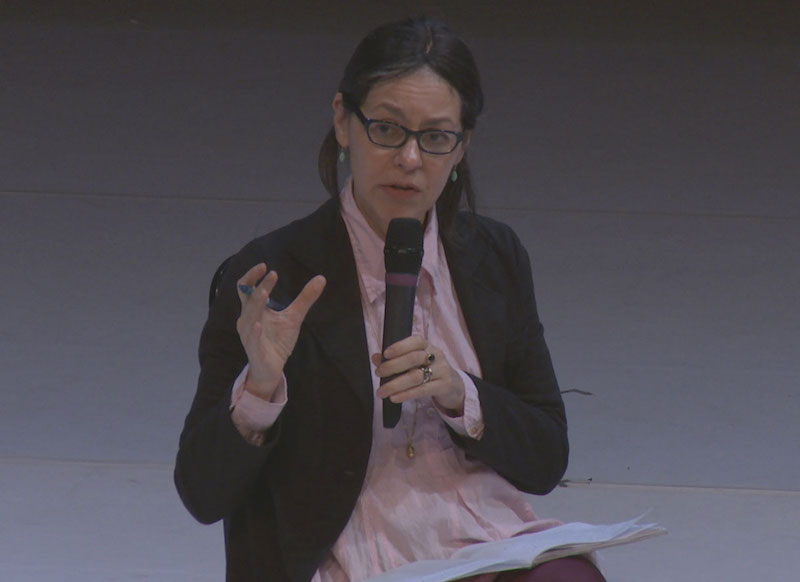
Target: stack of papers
[(523, 551)]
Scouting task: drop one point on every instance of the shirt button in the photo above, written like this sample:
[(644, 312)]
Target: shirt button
[(431, 411)]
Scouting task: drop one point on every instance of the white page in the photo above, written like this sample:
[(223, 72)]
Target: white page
[(520, 551)]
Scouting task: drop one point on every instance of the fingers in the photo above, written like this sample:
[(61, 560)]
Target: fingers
[(269, 335), (259, 312), (411, 379), (411, 386), (254, 283), (407, 354), (404, 346), (419, 370), (445, 387), (252, 276), (253, 294), (253, 303)]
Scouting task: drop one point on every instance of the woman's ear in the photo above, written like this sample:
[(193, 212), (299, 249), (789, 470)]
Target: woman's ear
[(466, 139), (464, 145), (340, 119)]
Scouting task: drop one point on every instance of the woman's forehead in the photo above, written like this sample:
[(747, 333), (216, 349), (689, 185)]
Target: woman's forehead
[(420, 94)]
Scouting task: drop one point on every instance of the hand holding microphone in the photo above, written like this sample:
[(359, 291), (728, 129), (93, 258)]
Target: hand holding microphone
[(411, 368), (402, 255), (416, 369)]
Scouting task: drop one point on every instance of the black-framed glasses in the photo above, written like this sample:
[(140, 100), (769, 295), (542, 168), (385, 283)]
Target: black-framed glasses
[(393, 135)]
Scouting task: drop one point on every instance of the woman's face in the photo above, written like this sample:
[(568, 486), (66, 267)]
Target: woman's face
[(400, 182)]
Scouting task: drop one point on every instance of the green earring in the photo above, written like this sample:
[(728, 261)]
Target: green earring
[(454, 175), (342, 155)]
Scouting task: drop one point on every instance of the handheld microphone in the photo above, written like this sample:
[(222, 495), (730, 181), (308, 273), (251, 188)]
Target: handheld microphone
[(402, 255)]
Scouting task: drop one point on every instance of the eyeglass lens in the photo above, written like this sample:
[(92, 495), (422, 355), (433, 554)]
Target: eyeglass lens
[(432, 141)]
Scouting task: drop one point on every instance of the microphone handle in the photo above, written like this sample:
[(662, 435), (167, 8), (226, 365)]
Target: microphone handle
[(398, 320)]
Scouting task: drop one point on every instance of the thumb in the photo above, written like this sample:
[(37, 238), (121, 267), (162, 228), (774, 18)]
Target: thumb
[(308, 296)]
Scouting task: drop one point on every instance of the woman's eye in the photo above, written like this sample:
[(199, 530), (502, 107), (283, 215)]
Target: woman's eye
[(385, 128)]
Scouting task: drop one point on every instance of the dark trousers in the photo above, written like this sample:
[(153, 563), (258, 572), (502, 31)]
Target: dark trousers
[(570, 569)]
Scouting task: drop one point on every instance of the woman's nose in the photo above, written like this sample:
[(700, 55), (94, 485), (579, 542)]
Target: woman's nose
[(409, 155)]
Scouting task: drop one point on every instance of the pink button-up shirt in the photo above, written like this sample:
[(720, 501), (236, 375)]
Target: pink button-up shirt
[(439, 501)]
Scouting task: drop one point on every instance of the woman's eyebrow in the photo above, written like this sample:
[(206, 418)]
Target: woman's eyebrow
[(397, 112)]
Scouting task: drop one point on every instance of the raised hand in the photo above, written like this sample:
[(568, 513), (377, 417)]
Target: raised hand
[(269, 336)]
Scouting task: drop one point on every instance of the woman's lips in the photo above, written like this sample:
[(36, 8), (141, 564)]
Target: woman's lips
[(410, 188)]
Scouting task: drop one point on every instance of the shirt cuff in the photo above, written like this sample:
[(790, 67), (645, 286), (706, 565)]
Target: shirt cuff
[(252, 415), (471, 423)]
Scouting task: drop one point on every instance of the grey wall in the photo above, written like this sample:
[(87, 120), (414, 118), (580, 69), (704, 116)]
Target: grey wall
[(649, 167)]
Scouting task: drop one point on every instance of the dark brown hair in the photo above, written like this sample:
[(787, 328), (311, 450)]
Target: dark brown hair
[(399, 48)]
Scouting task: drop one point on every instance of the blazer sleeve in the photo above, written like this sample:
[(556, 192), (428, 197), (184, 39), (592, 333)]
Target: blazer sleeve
[(215, 466), (525, 426)]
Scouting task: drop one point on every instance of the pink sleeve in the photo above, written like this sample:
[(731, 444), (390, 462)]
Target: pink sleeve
[(471, 424), (251, 415)]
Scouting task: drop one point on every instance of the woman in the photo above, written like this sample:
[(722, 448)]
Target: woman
[(284, 440)]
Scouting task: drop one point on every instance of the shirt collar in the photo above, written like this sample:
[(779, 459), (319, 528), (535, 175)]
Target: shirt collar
[(368, 246)]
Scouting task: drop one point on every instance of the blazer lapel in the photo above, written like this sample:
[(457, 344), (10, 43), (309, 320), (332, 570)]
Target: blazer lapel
[(337, 318), (484, 308)]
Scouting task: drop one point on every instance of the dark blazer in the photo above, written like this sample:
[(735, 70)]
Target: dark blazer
[(285, 503)]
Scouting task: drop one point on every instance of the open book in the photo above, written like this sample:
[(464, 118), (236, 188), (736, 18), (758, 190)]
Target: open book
[(523, 551)]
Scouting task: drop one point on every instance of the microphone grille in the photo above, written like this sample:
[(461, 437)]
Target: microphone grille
[(402, 252)]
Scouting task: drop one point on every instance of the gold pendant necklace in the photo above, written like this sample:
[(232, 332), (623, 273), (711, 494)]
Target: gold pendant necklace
[(410, 450)]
